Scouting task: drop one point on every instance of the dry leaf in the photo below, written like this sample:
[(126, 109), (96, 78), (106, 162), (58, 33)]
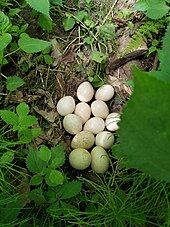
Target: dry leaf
[(49, 116)]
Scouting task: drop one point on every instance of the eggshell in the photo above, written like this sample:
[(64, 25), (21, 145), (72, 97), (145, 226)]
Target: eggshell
[(99, 109), (112, 121), (104, 139), (94, 125), (99, 160), (80, 158), (83, 110), (105, 92), (85, 92), (72, 124), (66, 105), (83, 139)]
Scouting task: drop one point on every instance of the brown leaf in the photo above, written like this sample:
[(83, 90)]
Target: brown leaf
[(56, 53), (49, 116), (69, 57)]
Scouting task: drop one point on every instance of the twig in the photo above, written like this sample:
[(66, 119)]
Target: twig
[(111, 9), (155, 63)]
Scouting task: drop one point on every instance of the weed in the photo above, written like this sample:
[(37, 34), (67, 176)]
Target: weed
[(146, 33)]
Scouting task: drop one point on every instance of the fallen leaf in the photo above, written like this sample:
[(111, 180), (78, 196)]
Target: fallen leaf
[(56, 52), (49, 116)]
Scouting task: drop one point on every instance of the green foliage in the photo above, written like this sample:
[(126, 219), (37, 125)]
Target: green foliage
[(6, 158), (44, 162), (144, 138), (98, 56), (34, 163), (4, 23), (37, 196), (145, 32), (45, 22), (135, 200), (57, 157), (21, 122), (32, 45), (106, 31), (9, 209), (54, 177), (57, 2), (5, 39), (68, 22), (14, 82), (154, 9), (164, 56), (42, 6), (74, 189)]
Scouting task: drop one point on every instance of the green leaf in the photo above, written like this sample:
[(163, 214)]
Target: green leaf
[(145, 126), (22, 109), (36, 132), (32, 45), (34, 163), (164, 56), (44, 153), (54, 177), (36, 179), (42, 6), (14, 82), (9, 117), (5, 39), (68, 22), (7, 157), (90, 207), (96, 80), (70, 189), (58, 157), (107, 31), (54, 209), (13, 12), (45, 22), (48, 59), (25, 135), (67, 208), (27, 121), (57, 2), (9, 212), (154, 9), (97, 56), (81, 15), (50, 196), (4, 23), (37, 196)]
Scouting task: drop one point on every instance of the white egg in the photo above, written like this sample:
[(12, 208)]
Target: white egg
[(94, 125), (104, 139), (99, 109), (99, 160), (105, 92), (72, 124), (112, 121), (80, 158), (83, 139), (65, 105), (85, 92), (83, 110)]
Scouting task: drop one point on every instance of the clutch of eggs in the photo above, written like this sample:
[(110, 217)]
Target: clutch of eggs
[(88, 124)]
